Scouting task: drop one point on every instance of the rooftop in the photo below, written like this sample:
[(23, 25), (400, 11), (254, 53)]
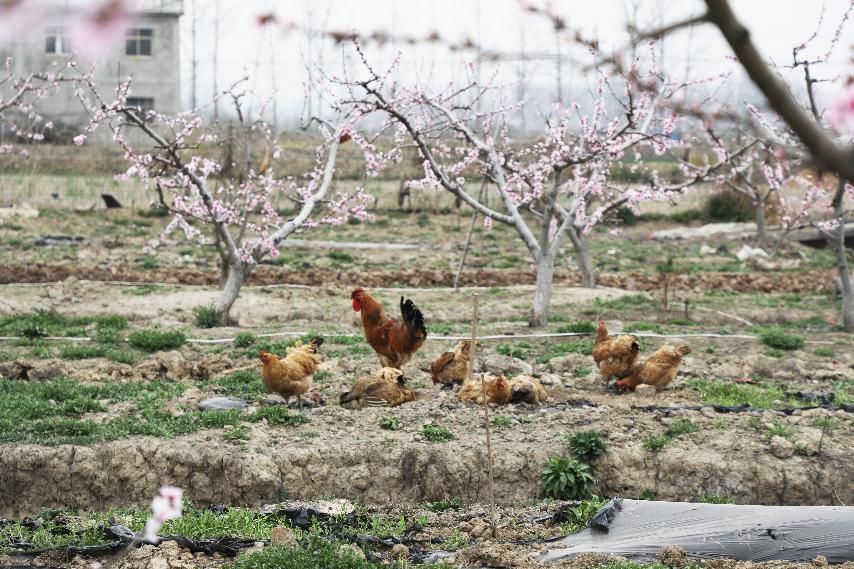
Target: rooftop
[(144, 6)]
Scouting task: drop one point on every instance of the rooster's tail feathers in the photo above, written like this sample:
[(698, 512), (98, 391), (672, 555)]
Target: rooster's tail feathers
[(412, 317)]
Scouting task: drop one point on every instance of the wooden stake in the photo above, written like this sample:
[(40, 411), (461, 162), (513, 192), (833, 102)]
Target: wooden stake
[(490, 478), (465, 253), (468, 240)]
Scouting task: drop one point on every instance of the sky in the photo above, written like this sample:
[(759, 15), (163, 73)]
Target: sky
[(277, 61)]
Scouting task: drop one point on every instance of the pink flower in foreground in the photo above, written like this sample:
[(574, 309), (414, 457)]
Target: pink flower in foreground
[(100, 27), (165, 506), (19, 17), (840, 115)]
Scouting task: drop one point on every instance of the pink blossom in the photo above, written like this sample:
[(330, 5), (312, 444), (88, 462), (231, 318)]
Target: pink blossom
[(840, 116), (165, 506), (80, 139), (101, 26), (18, 18)]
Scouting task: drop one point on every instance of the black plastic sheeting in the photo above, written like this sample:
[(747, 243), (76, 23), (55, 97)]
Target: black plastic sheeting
[(637, 528)]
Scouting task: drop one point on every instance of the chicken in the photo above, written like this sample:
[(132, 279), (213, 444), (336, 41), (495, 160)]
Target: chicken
[(291, 376), (527, 389), (384, 388), (394, 342), (452, 367), (497, 390), (614, 356), (659, 369)]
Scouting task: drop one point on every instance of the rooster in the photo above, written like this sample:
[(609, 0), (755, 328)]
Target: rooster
[(497, 391), (291, 376), (394, 342), (452, 367), (385, 388), (527, 389), (659, 369), (614, 356)]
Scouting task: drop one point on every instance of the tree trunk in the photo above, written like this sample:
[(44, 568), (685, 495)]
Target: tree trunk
[(229, 293), (543, 294), (585, 260), (845, 285), (760, 223)]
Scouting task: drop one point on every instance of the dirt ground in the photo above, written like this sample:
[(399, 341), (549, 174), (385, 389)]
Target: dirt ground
[(344, 452)]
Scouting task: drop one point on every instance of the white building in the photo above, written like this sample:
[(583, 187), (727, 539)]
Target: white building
[(149, 53)]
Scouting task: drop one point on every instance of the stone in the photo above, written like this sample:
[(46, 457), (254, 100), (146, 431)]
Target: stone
[(222, 404), (505, 364), (645, 391), (782, 448), (399, 552), (354, 550), (283, 535), (570, 362), (706, 250), (820, 561), (672, 555)]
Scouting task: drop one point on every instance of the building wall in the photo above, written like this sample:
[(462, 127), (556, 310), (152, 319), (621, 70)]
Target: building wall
[(156, 76)]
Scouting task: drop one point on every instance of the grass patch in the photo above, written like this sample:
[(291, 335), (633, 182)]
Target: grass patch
[(579, 516), (767, 396), (391, 423), (715, 499), (586, 445), (645, 327), (583, 347), (436, 434), (152, 340), (777, 337), (517, 351), (245, 383), (443, 505), (340, 256), (578, 327), (244, 339), (825, 352), (208, 316), (655, 443), (86, 351), (681, 427), (566, 478), (44, 323)]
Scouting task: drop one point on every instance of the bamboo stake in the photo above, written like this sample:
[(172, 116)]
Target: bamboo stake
[(465, 253), (489, 473)]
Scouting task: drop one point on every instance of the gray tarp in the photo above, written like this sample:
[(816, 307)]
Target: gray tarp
[(747, 533)]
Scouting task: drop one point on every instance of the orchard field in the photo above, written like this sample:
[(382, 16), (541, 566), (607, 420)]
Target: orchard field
[(759, 413), (426, 284)]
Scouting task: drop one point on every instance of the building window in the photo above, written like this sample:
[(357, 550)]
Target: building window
[(138, 41), (142, 104), (56, 41)]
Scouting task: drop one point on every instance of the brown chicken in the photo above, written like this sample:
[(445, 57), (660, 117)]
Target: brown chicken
[(527, 389), (394, 342), (659, 369), (452, 367), (291, 376), (497, 390), (614, 356), (386, 388)]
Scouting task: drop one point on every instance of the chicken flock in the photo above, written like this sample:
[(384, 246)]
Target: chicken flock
[(396, 342)]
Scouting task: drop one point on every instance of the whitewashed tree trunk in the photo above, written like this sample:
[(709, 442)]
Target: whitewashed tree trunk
[(543, 293), (585, 259), (230, 291), (760, 222)]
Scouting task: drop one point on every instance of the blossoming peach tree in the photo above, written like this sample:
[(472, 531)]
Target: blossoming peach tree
[(236, 205), (558, 186), (802, 134), (20, 121)]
